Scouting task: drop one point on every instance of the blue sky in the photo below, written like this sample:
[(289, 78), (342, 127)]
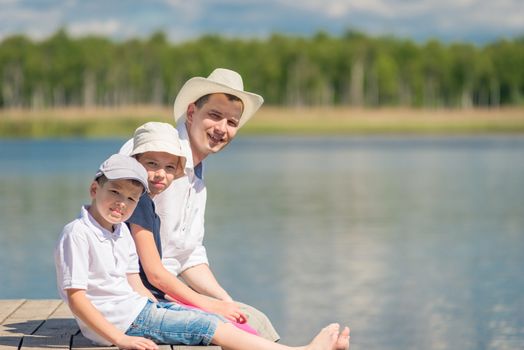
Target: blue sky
[(478, 21)]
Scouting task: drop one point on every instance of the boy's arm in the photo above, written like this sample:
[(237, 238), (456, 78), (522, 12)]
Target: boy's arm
[(164, 280), (136, 283), (84, 309)]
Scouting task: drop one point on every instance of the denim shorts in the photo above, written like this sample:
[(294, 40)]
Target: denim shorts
[(170, 323)]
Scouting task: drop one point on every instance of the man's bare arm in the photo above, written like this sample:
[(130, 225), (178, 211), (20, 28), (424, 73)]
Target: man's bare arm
[(201, 279)]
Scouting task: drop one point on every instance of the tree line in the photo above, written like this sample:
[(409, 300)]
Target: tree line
[(323, 70)]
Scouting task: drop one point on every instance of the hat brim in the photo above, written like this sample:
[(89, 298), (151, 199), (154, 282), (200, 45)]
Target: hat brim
[(160, 146), (124, 174), (197, 87)]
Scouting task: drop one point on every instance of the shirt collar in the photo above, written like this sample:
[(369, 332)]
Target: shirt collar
[(199, 170), (101, 233)]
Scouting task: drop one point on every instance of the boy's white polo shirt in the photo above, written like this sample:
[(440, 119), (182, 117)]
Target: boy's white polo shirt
[(89, 257)]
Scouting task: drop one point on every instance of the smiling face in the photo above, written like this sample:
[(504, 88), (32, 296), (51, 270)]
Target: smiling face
[(212, 126), (162, 168), (113, 201)]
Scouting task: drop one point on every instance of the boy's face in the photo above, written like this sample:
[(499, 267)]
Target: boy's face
[(213, 126), (114, 201), (162, 168)]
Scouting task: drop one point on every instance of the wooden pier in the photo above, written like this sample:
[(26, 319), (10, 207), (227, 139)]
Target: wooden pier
[(46, 324)]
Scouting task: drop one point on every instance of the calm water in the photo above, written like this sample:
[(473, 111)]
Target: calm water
[(416, 243)]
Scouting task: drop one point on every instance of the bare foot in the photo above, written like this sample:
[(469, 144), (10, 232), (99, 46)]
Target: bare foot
[(343, 340), (325, 339)]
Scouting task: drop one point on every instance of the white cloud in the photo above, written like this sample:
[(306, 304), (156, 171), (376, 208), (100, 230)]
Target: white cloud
[(448, 18), (175, 3), (342, 8), (182, 19), (36, 23), (495, 12), (110, 27), (499, 14)]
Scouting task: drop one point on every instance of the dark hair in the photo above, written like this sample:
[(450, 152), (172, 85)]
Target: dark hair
[(101, 180), (203, 100)]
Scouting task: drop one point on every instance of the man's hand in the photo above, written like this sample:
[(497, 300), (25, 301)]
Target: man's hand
[(136, 343)]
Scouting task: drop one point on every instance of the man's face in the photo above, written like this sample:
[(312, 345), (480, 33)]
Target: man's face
[(212, 126)]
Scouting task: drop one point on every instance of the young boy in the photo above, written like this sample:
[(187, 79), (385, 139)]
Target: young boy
[(95, 257), (97, 275)]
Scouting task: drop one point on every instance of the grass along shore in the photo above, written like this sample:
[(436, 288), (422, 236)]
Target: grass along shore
[(122, 121)]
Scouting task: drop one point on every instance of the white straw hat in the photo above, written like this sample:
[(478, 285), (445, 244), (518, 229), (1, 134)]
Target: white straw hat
[(158, 137), (120, 166), (221, 80)]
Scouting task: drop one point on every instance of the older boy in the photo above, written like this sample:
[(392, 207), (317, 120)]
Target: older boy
[(156, 146), (97, 276)]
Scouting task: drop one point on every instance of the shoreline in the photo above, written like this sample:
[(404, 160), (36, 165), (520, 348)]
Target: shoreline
[(270, 120)]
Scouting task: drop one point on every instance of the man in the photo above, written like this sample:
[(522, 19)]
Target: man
[(209, 112)]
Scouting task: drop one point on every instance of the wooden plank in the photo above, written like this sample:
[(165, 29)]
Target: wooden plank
[(80, 342), (63, 311), (7, 307), (9, 343), (56, 332), (41, 342), (34, 310), (44, 324), (60, 322), (24, 321), (8, 340)]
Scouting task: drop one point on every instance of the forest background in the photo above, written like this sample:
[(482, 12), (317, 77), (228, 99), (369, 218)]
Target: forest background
[(353, 83)]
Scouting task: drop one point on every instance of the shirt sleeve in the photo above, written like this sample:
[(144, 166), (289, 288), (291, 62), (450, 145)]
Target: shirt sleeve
[(73, 261), (144, 214), (194, 241), (197, 257)]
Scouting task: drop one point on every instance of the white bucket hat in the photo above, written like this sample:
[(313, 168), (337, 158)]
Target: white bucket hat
[(221, 80), (158, 137)]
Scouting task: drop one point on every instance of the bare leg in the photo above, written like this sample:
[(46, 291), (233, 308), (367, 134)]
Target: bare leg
[(343, 340), (326, 339), (230, 337)]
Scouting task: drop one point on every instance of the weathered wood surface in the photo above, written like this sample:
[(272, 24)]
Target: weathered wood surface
[(45, 324)]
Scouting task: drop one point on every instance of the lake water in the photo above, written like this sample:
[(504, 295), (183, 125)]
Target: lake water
[(415, 242)]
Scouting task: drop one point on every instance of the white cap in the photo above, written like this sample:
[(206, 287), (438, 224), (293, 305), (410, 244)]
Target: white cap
[(119, 166)]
